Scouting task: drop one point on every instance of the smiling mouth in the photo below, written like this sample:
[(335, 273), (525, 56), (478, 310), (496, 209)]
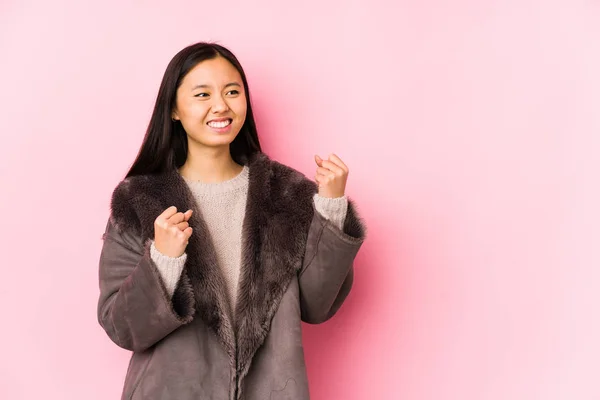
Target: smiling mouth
[(219, 124)]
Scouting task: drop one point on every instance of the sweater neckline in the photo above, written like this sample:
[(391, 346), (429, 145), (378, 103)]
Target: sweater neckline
[(211, 188)]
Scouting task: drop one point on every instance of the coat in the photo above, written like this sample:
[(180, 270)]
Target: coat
[(296, 266)]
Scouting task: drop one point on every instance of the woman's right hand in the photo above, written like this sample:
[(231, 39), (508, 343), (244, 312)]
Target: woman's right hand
[(172, 232)]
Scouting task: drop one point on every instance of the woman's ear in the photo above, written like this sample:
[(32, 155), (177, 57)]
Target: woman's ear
[(174, 116)]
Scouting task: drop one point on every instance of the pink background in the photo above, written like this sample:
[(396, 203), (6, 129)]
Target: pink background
[(471, 132)]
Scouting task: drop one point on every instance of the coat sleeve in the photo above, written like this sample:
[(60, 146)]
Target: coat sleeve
[(327, 272), (134, 307)]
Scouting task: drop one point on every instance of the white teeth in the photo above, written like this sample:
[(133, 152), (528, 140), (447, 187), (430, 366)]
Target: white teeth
[(222, 124)]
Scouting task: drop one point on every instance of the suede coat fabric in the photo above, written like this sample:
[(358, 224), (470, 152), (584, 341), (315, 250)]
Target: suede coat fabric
[(296, 266)]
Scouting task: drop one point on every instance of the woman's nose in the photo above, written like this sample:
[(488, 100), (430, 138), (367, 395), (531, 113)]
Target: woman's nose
[(219, 104)]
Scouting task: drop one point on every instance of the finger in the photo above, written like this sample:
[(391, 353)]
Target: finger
[(333, 167), (162, 220), (187, 232), (325, 172), (173, 230), (176, 218), (182, 225), (188, 215), (319, 179), (168, 213), (335, 159), (318, 160)]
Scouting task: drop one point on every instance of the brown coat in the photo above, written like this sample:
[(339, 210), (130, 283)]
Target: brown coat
[(296, 266)]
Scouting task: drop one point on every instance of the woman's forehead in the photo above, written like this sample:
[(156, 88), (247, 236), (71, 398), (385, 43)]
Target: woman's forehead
[(214, 72)]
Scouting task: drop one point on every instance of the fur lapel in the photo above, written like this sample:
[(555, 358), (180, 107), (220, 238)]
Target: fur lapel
[(279, 211)]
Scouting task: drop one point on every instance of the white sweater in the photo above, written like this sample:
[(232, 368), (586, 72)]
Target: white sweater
[(223, 206)]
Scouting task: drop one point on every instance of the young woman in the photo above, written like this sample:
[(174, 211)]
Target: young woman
[(213, 253)]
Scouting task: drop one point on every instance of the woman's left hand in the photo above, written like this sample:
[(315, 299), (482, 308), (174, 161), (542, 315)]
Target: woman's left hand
[(331, 176)]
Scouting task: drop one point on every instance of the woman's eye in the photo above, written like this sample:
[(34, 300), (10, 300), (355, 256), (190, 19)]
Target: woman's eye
[(201, 95), (233, 92)]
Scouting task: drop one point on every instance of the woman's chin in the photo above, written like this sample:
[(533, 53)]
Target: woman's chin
[(214, 140)]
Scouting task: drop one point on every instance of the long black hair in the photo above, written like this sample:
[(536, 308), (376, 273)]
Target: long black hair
[(165, 146)]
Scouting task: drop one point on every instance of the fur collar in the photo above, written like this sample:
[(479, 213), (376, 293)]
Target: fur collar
[(279, 211)]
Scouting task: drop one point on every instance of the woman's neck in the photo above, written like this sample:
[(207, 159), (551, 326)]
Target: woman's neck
[(210, 166)]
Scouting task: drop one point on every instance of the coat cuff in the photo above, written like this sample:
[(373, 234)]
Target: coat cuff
[(170, 268), (332, 209)]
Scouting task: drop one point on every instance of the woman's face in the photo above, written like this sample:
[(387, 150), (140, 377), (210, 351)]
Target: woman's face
[(211, 103)]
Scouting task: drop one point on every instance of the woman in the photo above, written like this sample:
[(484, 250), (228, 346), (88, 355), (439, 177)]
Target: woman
[(213, 253)]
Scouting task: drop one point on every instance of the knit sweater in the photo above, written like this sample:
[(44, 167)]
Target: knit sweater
[(222, 206)]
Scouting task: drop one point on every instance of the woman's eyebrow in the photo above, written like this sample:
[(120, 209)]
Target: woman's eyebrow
[(204, 86)]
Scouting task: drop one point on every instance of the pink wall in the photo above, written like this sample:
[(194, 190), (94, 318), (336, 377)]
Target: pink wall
[(471, 131)]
